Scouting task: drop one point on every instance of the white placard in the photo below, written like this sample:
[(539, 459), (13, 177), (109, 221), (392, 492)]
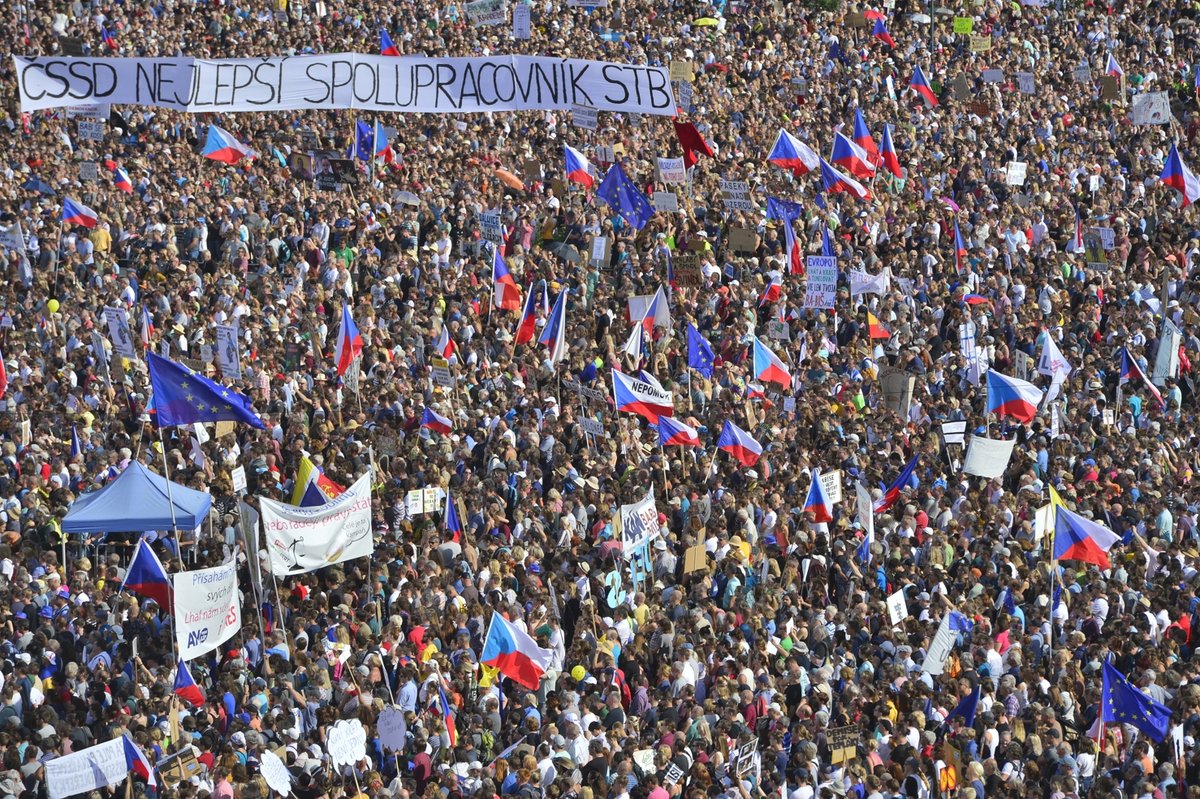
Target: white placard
[(821, 288), (238, 477), (639, 525), (392, 728), (305, 539), (939, 648), (275, 772), (346, 80), (1082, 74), (606, 154), (1043, 522), (831, 481), (865, 283), (954, 432), (489, 226), (86, 770), (897, 607), (439, 371), (522, 21), (1166, 362), (1016, 173), (346, 742), (208, 609), (988, 457), (90, 129), (738, 204), (229, 359), (584, 116), (12, 237), (89, 171), (735, 188), (672, 170), (1025, 83), (118, 331), (864, 510), (1151, 108), (587, 3), (666, 201), (593, 426), (486, 12), (993, 76)]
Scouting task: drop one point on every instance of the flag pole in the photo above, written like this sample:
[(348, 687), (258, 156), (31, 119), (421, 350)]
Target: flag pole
[(170, 496)]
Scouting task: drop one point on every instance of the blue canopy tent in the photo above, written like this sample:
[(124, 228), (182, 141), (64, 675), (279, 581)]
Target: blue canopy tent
[(135, 502)]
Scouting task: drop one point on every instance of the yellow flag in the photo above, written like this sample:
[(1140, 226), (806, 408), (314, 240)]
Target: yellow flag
[(1055, 499), (489, 674)]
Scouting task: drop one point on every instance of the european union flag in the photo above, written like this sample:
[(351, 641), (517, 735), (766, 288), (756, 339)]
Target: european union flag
[(625, 198), (363, 146), (1122, 703), (700, 352), (182, 396), (966, 708), (783, 210)]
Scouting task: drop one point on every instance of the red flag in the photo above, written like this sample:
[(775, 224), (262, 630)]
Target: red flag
[(692, 142)]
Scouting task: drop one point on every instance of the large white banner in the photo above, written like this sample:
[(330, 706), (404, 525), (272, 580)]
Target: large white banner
[(229, 358), (305, 539), (408, 84), (939, 648), (208, 610), (1166, 364), (86, 770)]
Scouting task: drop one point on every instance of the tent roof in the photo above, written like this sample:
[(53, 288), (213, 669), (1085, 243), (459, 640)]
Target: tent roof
[(135, 502)]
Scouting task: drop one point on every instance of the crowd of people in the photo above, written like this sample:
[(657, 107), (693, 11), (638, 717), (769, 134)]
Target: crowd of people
[(761, 650)]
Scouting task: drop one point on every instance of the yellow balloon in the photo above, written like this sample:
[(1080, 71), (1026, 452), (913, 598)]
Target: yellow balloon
[(52, 306), (578, 673)]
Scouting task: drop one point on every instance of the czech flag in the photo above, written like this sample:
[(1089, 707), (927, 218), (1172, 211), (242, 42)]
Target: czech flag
[(880, 32), (976, 299), (444, 346), (555, 331), (772, 292), (835, 181), (76, 213), (960, 248), (1130, 370), (578, 168), (790, 153), (386, 45), (76, 444), (871, 13), (383, 148), (453, 525), (1112, 68), (527, 324), (887, 153), (137, 762), (147, 327), (349, 342), (1077, 237), (186, 688), (920, 84), (862, 137), (447, 717), (817, 502), (673, 433), (635, 396), (740, 444), (1079, 538), (768, 367), (147, 577), (121, 179), (875, 328), (431, 420), (826, 242), (223, 146), (505, 293), (692, 143), (517, 656), (1176, 175), (110, 41), (1011, 396), (794, 254), (851, 157), (892, 493)]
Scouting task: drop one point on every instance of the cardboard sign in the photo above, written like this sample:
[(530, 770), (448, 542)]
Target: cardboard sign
[(672, 171), (1152, 108), (964, 26), (897, 607), (439, 370), (832, 483), (981, 44), (960, 87), (489, 226), (682, 70), (843, 743), (238, 477), (1110, 87), (666, 201), (1025, 83), (1016, 173), (993, 76), (687, 268), (178, 767), (90, 130), (1082, 74), (521, 21), (89, 171), (742, 240), (486, 12), (856, 20), (695, 559)]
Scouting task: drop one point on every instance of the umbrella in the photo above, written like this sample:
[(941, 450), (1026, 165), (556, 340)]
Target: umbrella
[(565, 251), (922, 19), (407, 198), (38, 185), (705, 22), (510, 180)]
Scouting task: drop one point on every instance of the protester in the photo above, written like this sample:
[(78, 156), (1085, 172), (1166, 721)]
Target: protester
[(909, 629)]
